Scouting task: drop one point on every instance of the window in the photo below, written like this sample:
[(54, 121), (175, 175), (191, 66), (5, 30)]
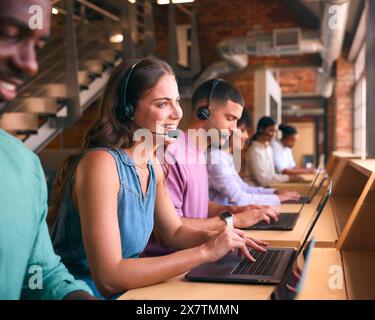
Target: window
[(359, 129)]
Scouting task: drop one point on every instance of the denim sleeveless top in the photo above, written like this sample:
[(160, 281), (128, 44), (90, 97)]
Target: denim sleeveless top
[(135, 217)]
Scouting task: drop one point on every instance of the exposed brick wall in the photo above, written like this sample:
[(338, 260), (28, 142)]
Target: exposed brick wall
[(331, 123), (243, 16), (294, 81), (221, 19), (343, 103)]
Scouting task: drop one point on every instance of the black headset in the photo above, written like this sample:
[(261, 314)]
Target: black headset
[(126, 109), (203, 112)]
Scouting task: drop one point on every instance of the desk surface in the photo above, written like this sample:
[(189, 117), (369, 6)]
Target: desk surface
[(359, 270), (316, 285), (292, 185), (320, 283), (325, 229)]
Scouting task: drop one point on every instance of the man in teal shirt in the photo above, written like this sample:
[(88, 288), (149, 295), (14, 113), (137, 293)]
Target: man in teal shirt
[(29, 269)]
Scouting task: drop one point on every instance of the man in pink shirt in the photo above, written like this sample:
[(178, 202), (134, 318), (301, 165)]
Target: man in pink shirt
[(217, 106)]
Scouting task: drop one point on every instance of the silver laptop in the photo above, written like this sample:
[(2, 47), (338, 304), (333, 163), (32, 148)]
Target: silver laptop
[(269, 267), (287, 220), (314, 189), (292, 282)]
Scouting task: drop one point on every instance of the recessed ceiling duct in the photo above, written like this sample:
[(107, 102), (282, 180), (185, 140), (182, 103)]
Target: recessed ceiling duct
[(287, 42)]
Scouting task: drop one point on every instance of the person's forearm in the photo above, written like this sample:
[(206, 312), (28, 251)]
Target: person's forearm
[(214, 209), (141, 272), (188, 236), (209, 224), (80, 295)]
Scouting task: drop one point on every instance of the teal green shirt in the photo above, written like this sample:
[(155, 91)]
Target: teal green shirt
[(29, 268)]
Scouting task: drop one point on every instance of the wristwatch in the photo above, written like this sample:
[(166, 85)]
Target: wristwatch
[(228, 218)]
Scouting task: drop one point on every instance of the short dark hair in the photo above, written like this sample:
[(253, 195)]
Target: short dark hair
[(263, 123), (287, 130), (223, 92), (245, 119)]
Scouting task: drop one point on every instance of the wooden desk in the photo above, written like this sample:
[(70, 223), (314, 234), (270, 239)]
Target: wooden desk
[(335, 158), (353, 206), (325, 229), (359, 267), (316, 285), (295, 185), (319, 283)]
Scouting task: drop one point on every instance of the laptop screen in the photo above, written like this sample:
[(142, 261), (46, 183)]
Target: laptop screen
[(313, 186), (292, 283), (318, 212), (293, 279)]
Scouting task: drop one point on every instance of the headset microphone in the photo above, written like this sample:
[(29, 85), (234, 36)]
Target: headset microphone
[(173, 134), (222, 134), (170, 134)]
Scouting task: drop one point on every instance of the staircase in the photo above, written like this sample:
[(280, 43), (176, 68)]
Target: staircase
[(75, 65)]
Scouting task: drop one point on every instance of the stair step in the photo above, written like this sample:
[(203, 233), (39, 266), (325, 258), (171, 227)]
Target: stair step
[(108, 55), (19, 122), (39, 105), (53, 90), (95, 66), (84, 78), (21, 136)]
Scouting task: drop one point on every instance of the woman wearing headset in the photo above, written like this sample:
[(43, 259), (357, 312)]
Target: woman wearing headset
[(107, 200), (260, 161)]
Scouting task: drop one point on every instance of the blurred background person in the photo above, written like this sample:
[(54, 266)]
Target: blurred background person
[(260, 160), (225, 184), (282, 152)]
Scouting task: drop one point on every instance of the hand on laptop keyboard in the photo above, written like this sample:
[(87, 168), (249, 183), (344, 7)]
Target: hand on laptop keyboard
[(229, 239), (253, 215), (286, 195)]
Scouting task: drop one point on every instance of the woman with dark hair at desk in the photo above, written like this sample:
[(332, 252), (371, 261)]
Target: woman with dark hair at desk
[(109, 197), (225, 184), (260, 160)]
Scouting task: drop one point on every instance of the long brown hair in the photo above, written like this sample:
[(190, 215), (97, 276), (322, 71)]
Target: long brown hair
[(111, 129)]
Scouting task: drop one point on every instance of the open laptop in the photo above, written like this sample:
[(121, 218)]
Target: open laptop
[(269, 267), (292, 282), (287, 221), (314, 189)]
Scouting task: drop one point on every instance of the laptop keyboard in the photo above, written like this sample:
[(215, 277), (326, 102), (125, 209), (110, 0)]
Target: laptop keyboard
[(301, 200), (285, 219), (265, 265)]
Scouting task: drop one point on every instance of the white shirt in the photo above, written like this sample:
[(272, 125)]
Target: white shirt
[(226, 186), (261, 165), (282, 156)]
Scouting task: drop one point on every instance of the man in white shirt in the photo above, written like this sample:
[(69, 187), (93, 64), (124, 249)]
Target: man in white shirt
[(282, 156), (282, 152)]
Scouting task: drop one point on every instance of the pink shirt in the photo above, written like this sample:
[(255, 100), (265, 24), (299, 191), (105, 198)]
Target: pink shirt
[(187, 185), (187, 181)]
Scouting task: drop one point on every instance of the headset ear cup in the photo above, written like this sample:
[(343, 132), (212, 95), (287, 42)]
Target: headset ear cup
[(129, 110), (203, 113)]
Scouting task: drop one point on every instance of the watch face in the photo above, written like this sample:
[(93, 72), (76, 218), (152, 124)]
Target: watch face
[(226, 214)]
